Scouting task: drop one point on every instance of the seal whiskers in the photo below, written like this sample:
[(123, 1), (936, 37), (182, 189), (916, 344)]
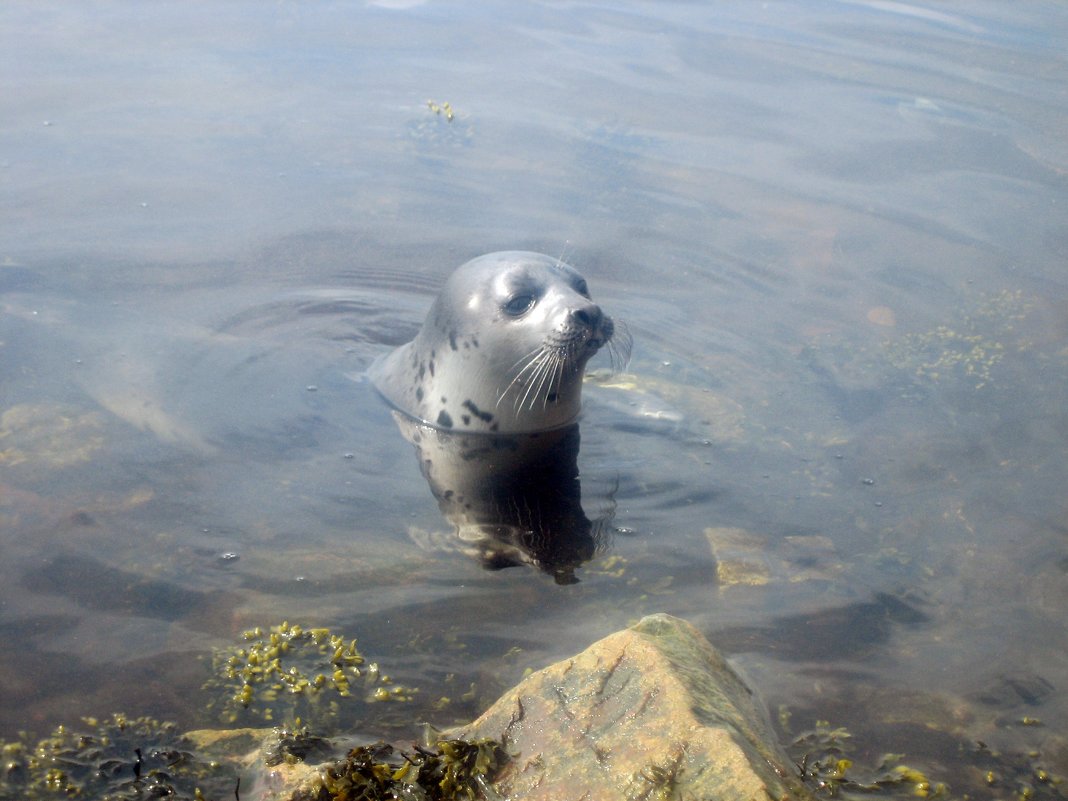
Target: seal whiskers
[(545, 365), (619, 346), (549, 367)]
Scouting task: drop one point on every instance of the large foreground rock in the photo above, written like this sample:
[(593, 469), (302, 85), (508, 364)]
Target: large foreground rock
[(651, 712)]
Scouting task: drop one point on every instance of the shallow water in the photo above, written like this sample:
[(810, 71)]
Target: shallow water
[(835, 231)]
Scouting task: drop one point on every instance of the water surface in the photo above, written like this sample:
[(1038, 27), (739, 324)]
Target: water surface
[(835, 231)]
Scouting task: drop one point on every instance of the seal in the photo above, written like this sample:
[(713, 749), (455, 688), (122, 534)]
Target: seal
[(502, 349)]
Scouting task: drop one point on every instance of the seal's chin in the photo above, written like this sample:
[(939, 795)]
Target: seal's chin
[(598, 339), (540, 378)]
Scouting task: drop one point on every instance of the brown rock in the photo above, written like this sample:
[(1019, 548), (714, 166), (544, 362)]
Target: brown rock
[(651, 712)]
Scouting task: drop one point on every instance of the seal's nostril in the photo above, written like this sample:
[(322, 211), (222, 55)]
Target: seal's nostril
[(589, 316)]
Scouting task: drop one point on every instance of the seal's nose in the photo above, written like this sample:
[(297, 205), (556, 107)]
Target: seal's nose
[(589, 316)]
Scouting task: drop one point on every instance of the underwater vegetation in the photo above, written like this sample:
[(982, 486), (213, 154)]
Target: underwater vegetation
[(126, 759), (49, 435), (112, 760), (823, 762), (968, 350), (975, 348), (824, 759), (283, 672), (454, 770), (285, 669), (288, 673)]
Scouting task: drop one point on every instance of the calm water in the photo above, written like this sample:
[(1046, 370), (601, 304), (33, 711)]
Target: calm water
[(835, 230)]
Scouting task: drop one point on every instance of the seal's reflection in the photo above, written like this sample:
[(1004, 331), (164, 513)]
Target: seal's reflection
[(514, 499)]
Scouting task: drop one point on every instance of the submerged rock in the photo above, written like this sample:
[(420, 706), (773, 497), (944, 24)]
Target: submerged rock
[(253, 756), (747, 559), (649, 712), (50, 435)]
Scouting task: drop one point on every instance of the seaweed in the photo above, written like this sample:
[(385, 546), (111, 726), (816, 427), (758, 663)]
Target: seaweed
[(288, 673), (127, 759), (826, 765), (120, 758), (294, 744), (454, 770), (969, 350), (826, 762)]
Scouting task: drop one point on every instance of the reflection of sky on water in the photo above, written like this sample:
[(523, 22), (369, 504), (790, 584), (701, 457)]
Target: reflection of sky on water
[(819, 222)]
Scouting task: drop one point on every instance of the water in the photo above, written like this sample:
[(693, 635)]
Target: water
[(835, 230)]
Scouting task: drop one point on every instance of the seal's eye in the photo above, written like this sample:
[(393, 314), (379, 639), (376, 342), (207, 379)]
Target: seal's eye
[(581, 288), (519, 304)]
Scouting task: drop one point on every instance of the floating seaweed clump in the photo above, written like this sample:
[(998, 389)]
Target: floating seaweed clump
[(121, 758), (455, 770), (288, 672)]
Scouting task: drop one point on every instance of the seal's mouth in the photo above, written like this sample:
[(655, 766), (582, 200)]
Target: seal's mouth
[(578, 345), (601, 335)]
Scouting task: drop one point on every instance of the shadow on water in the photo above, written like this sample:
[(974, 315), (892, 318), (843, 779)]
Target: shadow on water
[(853, 631), (94, 585)]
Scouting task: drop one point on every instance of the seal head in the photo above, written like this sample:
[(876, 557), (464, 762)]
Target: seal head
[(502, 349)]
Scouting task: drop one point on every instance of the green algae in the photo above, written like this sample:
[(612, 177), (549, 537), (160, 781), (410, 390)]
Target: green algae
[(969, 349), (828, 760), (288, 673), (125, 759), (274, 673), (826, 763)]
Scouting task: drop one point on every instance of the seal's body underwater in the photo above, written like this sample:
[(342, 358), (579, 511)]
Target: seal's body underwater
[(502, 350)]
